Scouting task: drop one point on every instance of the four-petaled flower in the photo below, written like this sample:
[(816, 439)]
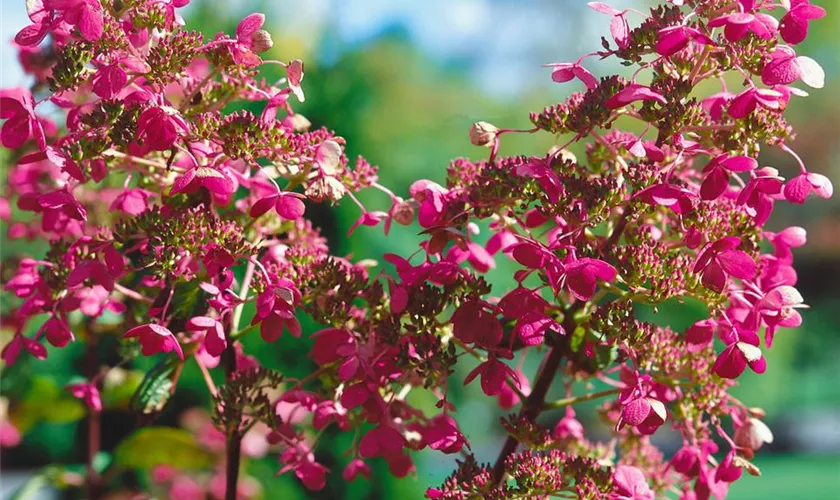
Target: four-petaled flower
[(154, 339), (721, 259)]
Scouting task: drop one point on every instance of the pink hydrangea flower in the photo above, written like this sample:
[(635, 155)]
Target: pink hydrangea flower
[(630, 484), (17, 107), (797, 189), (154, 339), (794, 25), (160, 126), (634, 93), (88, 393), (720, 259), (675, 38), (619, 28)]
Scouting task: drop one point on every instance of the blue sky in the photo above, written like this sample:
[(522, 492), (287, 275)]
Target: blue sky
[(503, 42)]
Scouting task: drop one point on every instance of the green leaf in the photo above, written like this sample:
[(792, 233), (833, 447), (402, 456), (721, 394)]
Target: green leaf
[(189, 300), (101, 461), (45, 401), (157, 386), (153, 446)]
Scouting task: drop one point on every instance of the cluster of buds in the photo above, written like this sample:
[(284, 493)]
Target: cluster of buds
[(166, 211)]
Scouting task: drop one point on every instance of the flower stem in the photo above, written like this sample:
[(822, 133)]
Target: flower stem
[(562, 403), (92, 480), (233, 448), (532, 406), (243, 294)]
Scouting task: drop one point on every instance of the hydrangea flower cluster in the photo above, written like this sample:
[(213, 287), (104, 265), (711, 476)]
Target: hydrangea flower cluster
[(165, 208)]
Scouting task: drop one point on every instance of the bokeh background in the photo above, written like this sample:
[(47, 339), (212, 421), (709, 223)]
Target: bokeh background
[(402, 82)]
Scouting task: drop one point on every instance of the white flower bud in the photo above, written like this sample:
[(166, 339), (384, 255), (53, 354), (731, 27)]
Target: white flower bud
[(483, 134)]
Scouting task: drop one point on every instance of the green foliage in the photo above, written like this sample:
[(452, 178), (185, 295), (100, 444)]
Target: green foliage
[(45, 401), (152, 446), (157, 386)]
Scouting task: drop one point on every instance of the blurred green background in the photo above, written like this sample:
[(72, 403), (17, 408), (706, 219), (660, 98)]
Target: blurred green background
[(402, 82)]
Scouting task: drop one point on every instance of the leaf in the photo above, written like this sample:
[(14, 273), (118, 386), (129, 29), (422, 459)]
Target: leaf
[(45, 401), (189, 300), (157, 386), (153, 446)]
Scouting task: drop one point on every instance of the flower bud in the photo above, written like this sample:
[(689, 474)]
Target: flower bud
[(753, 434), (297, 122), (756, 412), (563, 154), (261, 41), (483, 134), (325, 188), (404, 213), (747, 466)]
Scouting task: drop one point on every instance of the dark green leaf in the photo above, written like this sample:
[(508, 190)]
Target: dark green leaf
[(157, 386)]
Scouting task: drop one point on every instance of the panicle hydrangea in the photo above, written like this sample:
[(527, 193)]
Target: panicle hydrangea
[(162, 208)]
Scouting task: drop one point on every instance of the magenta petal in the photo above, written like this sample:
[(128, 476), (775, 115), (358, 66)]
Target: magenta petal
[(198, 323), (183, 181), (737, 263), (604, 8), (739, 164), (743, 104), (532, 327), (15, 131), (263, 205), (32, 35), (730, 363), (793, 29), (581, 283), (797, 189), (759, 366), (781, 70), (109, 80), (635, 412), (714, 184), (671, 41), (214, 340), (620, 31), (585, 76), (290, 207), (562, 73), (91, 23), (714, 278)]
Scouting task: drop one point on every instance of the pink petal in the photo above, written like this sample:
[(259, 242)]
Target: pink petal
[(714, 184), (263, 205), (737, 263), (563, 73), (91, 23), (793, 29), (32, 34), (249, 25), (290, 207), (821, 184), (620, 31), (109, 80), (635, 412), (604, 8), (671, 41), (797, 189)]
